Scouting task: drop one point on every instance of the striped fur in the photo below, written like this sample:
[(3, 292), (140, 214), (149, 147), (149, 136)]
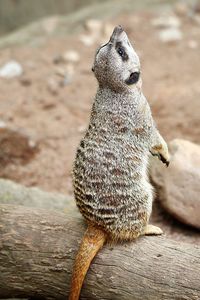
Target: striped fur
[(110, 170)]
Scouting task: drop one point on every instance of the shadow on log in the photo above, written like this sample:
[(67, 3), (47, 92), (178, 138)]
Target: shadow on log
[(37, 250)]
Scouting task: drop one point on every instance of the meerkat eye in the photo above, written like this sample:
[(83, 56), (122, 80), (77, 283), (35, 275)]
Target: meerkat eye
[(121, 51), (133, 78)]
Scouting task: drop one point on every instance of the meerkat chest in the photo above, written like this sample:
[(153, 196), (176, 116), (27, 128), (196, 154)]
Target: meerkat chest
[(130, 128)]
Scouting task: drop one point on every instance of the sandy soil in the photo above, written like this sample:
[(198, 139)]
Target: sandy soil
[(56, 114)]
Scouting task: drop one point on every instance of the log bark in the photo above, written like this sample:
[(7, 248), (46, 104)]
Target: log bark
[(37, 250)]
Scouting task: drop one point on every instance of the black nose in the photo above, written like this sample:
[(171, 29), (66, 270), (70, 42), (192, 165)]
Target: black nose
[(118, 29), (133, 78)]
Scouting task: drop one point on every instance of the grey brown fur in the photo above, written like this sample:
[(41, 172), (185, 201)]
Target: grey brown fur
[(110, 177)]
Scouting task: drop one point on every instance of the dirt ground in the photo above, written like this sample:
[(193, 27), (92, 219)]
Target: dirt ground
[(55, 113)]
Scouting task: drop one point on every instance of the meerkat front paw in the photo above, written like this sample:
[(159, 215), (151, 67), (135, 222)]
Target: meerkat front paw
[(161, 151), (152, 230)]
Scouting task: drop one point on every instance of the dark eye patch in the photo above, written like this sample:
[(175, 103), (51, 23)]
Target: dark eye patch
[(133, 78), (121, 51)]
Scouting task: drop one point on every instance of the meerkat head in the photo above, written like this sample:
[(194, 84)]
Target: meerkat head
[(116, 64)]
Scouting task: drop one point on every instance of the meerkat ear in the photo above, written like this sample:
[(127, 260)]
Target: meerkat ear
[(92, 68)]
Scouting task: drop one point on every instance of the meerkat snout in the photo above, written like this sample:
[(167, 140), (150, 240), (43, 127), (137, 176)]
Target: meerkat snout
[(116, 63)]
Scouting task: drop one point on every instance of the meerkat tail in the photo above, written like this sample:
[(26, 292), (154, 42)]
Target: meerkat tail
[(93, 240)]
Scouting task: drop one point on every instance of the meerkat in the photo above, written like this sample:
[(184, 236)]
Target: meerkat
[(111, 185)]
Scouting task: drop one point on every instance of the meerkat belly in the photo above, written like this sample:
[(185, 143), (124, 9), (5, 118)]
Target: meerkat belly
[(111, 188)]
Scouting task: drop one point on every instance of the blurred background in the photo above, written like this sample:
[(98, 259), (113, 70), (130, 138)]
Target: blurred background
[(47, 87)]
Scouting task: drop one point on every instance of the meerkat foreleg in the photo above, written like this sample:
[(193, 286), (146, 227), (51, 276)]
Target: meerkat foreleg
[(160, 149), (152, 230)]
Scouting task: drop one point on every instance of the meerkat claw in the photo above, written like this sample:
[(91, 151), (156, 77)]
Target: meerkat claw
[(164, 160), (152, 230), (161, 157)]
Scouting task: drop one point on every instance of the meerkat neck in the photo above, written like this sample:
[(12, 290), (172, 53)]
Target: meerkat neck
[(134, 92), (126, 101)]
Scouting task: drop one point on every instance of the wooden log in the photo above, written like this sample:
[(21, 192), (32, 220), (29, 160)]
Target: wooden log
[(37, 250)]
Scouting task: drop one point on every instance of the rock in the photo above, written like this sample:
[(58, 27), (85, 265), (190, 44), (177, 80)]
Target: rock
[(166, 21), (178, 186), (70, 71), (66, 73), (170, 31), (53, 86), (71, 56), (15, 146), (192, 44), (60, 71), (2, 124), (87, 40), (13, 193), (11, 69), (170, 35), (181, 9), (94, 31), (94, 26)]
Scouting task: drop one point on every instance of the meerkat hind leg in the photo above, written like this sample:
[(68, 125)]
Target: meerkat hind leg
[(152, 230)]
